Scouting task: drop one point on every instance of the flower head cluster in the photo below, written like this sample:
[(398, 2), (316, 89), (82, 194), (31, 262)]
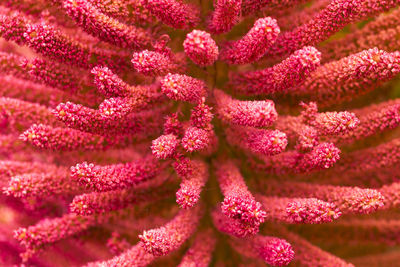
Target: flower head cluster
[(192, 133)]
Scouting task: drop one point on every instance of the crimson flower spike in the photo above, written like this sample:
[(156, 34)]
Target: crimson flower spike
[(117, 176), (231, 226), (374, 119), (245, 113), (239, 203), (320, 27), (391, 194), (201, 48), (310, 126), (41, 71), (173, 13), (57, 46), (190, 188), (376, 33), (49, 231), (346, 199), (104, 27), (274, 251), (225, 16), (156, 63), (357, 74), (298, 210), (63, 139), (388, 153), (163, 240), (111, 85), (320, 157), (282, 78), (38, 93), (183, 88), (253, 45), (53, 182), (258, 141), (121, 115)]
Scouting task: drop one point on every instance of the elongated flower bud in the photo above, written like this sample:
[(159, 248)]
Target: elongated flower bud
[(189, 192), (299, 210), (63, 139), (238, 202), (283, 77), (47, 40), (105, 27), (380, 32), (113, 177), (183, 88), (251, 6), (42, 185), (10, 168), (171, 236), (231, 226), (201, 48), (357, 74), (253, 45), (347, 199), (153, 63), (109, 83), (91, 120), (258, 141), (373, 120), (195, 139), (173, 13), (245, 113), (334, 123), (105, 124), (274, 251), (328, 21), (366, 230), (225, 16), (164, 146), (49, 231)]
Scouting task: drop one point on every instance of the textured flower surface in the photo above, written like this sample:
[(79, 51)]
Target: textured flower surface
[(199, 133)]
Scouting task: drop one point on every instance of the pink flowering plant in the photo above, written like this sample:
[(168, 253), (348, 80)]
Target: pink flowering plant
[(199, 133)]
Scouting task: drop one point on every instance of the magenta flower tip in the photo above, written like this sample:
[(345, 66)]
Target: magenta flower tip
[(277, 252), (164, 146)]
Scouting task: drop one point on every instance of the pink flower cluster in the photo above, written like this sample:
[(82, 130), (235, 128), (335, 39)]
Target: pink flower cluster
[(175, 133)]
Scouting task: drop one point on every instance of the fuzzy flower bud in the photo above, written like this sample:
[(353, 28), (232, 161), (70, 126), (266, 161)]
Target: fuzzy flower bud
[(201, 48), (195, 139), (253, 45), (164, 146), (170, 237), (183, 88), (173, 13), (245, 113)]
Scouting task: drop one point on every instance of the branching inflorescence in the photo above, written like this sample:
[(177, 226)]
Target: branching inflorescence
[(199, 133)]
